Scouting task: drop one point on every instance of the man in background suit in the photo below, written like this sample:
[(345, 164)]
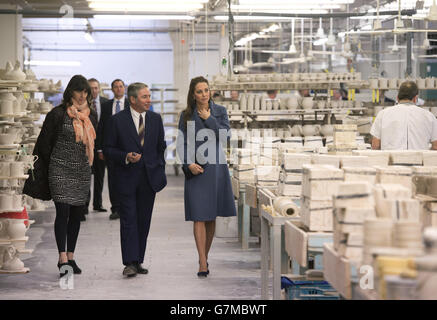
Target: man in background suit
[(110, 108), (135, 143), (98, 164)]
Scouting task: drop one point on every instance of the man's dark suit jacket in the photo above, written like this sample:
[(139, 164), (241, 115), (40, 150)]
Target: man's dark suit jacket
[(105, 115), (122, 138)]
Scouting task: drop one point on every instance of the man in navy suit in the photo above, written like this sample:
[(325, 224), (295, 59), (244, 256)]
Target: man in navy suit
[(135, 143), (110, 108), (98, 164)]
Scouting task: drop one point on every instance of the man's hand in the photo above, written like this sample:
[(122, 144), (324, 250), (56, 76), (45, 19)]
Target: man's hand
[(376, 143), (133, 157), (100, 155), (195, 169)]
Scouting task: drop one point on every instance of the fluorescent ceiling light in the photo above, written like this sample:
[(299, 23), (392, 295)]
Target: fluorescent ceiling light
[(152, 1), (264, 18), (143, 17), (52, 63), (278, 7), (89, 37), (153, 7), (297, 2)]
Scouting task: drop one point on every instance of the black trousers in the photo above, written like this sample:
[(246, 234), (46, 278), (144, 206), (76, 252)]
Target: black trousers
[(99, 176), (67, 225), (135, 217), (113, 196)]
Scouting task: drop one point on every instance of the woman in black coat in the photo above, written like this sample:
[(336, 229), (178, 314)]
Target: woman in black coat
[(65, 150)]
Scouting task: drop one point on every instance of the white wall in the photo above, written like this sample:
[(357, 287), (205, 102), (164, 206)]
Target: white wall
[(11, 39)]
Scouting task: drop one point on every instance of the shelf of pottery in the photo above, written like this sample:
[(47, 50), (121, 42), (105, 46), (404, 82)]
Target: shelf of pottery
[(18, 134), (308, 121), (367, 199)]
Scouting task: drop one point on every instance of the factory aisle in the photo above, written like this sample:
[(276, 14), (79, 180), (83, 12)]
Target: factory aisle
[(171, 258)]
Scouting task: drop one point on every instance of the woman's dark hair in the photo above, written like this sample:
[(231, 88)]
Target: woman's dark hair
[(77, 83), (191, 102)]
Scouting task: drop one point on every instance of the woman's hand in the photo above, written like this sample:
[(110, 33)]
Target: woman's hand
[(204, 113), (195, 169)]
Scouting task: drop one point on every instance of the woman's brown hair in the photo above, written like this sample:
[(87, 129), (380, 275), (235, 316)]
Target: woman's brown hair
[(191, 102)]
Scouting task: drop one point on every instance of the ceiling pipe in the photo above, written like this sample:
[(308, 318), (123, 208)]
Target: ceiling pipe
[(89, 14)]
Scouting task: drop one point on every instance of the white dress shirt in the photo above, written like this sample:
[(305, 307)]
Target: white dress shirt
[(98, 107), (136, 119), (405, 127), (114, 104)]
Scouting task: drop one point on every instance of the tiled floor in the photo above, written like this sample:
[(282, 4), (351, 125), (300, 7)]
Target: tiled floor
[(171, 258)]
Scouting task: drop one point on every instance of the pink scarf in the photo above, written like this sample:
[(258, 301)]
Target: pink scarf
[(83, 128)]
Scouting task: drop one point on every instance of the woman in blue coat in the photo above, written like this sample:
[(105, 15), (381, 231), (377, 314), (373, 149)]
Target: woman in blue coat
[(203, 128)]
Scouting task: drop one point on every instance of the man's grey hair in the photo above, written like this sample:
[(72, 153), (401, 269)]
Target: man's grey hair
[(132, 90)]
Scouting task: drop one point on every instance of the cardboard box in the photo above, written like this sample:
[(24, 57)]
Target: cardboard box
[(363, 174), (317, 215), (320, 181)]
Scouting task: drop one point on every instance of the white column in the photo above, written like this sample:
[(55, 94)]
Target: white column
[(10, 38), (181, 62)]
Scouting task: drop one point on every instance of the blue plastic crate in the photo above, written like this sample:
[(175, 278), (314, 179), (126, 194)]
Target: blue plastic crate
[(308, 290)]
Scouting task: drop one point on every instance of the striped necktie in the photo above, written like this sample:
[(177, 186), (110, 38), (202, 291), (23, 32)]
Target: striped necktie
[(117, 106), (141, 130)]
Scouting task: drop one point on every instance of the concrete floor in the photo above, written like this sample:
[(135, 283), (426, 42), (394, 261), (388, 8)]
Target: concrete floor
[(171, 258)]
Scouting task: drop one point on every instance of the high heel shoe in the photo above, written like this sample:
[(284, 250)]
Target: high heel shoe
[(76, 269), (202, 274)]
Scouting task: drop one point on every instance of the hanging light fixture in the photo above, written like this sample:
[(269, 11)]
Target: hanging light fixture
[(320, 32), (377, 23), (395, 47), (399, 24), (331, 38), (432, 15), (292, 45), (426, 44)]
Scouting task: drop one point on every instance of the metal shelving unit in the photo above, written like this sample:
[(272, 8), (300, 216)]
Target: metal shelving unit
[(172, 113)]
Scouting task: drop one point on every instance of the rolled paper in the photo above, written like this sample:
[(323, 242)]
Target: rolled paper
[(285, 207)]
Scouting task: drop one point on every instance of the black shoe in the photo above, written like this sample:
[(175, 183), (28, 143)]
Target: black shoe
[(100, 209), (114, 216), (140, 269), (130, 270), (86, 210), (76, 269), (60, 265), (202, 274), (83, 218), (207, 266)]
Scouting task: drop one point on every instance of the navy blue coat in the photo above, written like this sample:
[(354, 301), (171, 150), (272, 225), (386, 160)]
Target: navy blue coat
[(123, 138), (208, 194)]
